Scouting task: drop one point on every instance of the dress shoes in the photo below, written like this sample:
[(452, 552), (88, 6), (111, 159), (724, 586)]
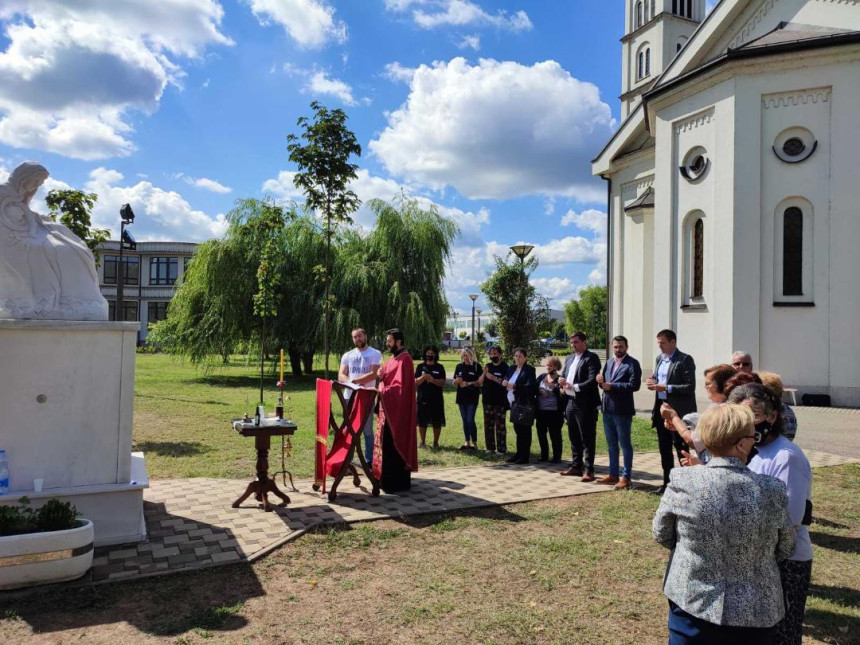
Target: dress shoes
[(512, 459), (521, 461), (623, 484), (608, 479), (662, 489), (588, 477), (571, 472)]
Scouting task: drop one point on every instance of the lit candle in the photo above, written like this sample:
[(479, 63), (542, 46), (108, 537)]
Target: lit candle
[(282, 364)]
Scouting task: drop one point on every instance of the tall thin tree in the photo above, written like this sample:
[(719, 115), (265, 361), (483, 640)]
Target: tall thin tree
[(322, 152)]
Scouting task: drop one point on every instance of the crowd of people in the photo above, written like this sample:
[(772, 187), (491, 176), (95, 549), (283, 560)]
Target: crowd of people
[(737, 525)]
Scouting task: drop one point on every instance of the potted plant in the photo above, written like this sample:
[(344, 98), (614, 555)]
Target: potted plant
[(48, 544)]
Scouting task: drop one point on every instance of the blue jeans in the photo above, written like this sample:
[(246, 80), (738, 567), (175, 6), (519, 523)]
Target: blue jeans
[(470, 430), (616, 427), (367, 430)]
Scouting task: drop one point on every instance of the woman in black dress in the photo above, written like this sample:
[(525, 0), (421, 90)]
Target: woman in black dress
[(550, 411)]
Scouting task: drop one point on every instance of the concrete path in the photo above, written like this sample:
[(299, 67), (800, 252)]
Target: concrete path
[(191, 524)]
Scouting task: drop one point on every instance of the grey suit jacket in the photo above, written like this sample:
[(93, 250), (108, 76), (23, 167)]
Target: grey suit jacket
[(728, 527)]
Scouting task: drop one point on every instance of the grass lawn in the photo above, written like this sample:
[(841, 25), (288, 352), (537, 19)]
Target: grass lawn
[(574, 570), (182, 421)]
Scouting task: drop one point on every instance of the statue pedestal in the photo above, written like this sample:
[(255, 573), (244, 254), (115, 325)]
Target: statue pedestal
[(66, 405)]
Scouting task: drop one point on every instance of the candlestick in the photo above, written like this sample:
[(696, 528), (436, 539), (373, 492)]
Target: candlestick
[(282, 364)]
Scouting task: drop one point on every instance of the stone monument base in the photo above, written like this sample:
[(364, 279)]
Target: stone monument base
[(66, 405)]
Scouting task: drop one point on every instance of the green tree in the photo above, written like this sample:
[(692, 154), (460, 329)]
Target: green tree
[(519, 308), (393, 276), (492, 329), (74, 208), (588, 314), (322, 154)]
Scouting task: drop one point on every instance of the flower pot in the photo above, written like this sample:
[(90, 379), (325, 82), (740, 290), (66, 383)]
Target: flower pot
[(41, 558)]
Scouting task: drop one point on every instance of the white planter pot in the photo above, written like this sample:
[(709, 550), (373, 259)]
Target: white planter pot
[(40, 558)]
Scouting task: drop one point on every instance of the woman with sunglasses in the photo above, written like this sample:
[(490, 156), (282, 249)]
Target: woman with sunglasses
[(778, 457), (728, 528), (429, 381)]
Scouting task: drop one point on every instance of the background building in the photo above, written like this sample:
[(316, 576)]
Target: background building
[(151, 272), (732, 187)]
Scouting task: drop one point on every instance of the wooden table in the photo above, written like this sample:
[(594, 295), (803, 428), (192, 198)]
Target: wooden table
[(263, 485)]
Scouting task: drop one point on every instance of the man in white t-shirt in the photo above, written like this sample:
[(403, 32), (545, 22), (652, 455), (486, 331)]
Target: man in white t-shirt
[(359, 366)]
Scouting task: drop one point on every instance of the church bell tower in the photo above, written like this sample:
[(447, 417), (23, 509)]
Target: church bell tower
[(654, 32)]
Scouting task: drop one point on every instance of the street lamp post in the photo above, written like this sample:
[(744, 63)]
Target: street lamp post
[(522, 251), (474, 297), (479, 323), (126, 241)]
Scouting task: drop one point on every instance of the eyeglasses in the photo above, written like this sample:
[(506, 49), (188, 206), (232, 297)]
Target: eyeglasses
[(741, 364)]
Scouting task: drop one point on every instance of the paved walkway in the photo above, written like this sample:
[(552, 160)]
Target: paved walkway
[(191, 524)]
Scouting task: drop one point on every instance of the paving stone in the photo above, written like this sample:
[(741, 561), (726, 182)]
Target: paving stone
[(165, 552), (225, 556)]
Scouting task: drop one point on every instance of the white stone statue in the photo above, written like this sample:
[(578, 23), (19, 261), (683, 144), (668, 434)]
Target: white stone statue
[(46, 271)]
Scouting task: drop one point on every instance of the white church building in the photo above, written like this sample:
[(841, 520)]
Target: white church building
[(734, 186)]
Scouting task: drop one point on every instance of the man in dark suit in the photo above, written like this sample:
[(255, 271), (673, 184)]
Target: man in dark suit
[(621, 377), (579, 385), (673, 382)]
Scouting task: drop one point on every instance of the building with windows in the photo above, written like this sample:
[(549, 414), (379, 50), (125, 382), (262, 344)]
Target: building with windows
[(732, 194), (151, 273)]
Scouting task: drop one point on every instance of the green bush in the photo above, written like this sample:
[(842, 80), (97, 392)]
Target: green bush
[(54, 515)]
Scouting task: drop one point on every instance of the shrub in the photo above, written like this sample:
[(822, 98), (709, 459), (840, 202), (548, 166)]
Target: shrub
[(54, 515)]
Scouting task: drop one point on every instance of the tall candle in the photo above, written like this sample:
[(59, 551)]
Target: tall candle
[(282, 364)]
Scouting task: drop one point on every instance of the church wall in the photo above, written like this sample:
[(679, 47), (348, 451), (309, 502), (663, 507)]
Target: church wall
[(703, 124), (632, 265)]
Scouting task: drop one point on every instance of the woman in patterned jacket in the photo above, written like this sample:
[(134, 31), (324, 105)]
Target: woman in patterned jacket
[(728, 527)]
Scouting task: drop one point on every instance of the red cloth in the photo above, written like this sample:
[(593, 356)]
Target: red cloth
[(397, 408), (329, 462)]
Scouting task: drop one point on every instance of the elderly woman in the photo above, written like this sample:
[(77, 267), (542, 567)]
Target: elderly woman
[(728, 528), (521, 383), (550, 411), (715, 380), (778, 457), (466, 376)]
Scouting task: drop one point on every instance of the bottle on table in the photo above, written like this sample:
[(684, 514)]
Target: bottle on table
[(279, 409)]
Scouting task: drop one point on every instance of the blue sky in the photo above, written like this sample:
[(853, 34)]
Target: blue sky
[(489, 109)]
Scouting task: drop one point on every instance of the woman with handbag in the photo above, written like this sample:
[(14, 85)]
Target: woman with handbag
[(521, 384), (550, 411)]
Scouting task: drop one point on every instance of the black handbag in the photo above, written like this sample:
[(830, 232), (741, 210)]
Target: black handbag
[(522, 414)]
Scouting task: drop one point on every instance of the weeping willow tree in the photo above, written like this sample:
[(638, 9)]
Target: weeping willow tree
[(393, 276)]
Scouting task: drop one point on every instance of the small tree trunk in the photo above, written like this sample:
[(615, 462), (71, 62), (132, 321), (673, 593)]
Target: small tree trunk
[(295, 361), (308, 358)]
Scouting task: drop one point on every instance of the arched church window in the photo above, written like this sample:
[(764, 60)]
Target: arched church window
[(639, 14), (675, 7), (640, 72), (698, 260), (653, 8), (792, 252), (648, 62)]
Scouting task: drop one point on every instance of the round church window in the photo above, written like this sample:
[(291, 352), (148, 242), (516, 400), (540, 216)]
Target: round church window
[(695, 164), (794, 145)]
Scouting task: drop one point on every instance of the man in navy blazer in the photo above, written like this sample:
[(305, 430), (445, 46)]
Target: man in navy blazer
[(621, 377), (673, 382), (578, 382)]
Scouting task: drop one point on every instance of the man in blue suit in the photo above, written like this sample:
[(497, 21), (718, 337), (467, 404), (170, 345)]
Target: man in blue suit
[(620, 378)]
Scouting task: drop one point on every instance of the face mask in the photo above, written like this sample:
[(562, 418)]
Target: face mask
[(496, 359), (762, 430)]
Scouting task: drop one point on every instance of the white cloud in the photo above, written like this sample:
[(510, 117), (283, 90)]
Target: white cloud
[(72, 70), (497, 130), (569, 250), (557, 290), (473, 41), (311, 23), (399, 73), (428, 14), (209, 184), (161, 214), (320, 84), (368, 187), (588, 220)]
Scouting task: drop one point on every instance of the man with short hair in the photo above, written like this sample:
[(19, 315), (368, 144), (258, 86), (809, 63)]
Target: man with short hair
[(495, 401), (579, 385), (673, 382), (621, 377), (359, 366), (742, 362)]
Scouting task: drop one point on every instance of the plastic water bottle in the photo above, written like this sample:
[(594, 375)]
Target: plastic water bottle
[(4, 473)]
